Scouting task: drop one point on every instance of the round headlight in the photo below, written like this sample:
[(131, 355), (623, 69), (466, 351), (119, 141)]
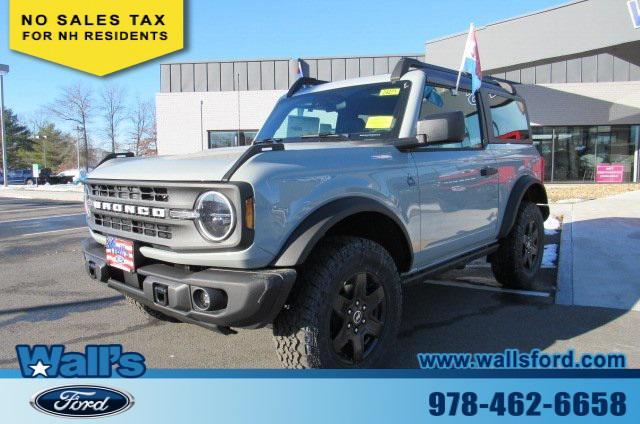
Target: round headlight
[(216, 216)]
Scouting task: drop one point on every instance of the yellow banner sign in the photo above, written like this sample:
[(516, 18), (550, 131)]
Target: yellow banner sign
[(96, 36)]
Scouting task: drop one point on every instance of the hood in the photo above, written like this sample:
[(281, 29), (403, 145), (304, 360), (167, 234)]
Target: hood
[(210, 165)]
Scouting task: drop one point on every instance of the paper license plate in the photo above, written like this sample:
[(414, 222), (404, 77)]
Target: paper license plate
[(120, 254)]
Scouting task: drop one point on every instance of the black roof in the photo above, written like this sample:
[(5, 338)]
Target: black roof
[(405, 64)]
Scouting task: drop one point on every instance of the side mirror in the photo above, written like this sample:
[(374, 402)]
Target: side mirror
[(445, 127)]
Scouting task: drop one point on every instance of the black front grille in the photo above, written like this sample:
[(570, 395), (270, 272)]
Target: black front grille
[(133, 226), (154, 194)]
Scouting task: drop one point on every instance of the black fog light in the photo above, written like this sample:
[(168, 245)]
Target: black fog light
[(207, 299)]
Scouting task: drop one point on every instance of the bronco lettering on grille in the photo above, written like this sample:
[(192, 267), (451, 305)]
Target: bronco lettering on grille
[(130, 209)]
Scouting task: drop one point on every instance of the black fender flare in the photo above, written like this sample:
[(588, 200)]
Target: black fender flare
[(305, 237), (518, 192)]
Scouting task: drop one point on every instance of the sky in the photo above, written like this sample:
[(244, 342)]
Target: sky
[(249, 29)]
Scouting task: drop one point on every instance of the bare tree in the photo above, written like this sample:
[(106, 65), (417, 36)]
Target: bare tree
[(37, 120), (113, 112), (38, 123), (75, 104), (151, 140), (143, 128)]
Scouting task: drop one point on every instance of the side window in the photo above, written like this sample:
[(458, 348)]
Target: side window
[(508, 118), (439, 99)]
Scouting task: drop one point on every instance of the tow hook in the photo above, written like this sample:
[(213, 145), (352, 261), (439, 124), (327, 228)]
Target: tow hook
[(97, 272)]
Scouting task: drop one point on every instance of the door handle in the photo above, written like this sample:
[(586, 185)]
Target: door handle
[(489, 170)]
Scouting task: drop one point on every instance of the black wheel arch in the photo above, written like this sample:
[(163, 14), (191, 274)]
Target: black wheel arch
[(525, 188), (341, 217)]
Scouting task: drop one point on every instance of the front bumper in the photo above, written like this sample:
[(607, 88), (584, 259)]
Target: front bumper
[(254, 297)]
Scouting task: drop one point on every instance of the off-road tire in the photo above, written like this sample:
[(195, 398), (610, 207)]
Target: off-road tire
[(146, 311), (302, 331), (508, 263)]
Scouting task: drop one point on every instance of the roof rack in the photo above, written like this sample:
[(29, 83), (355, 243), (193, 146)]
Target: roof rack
[(301, 82), (406, 63)]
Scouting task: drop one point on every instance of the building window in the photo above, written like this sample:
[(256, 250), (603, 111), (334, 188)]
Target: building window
[(228, 138), (249, 136), (574, 153)]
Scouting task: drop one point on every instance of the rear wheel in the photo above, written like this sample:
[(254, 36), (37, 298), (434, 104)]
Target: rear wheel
[(346, 309), (518, 259), (147, 312)]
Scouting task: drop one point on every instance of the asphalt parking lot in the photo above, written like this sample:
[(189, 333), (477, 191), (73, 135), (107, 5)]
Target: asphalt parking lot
[(47, 298)]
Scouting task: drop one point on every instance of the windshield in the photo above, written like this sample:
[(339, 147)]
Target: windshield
[(356, 112)]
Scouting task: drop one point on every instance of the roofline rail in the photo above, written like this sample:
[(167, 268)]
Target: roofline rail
[(503, 83), (115, 155), (405, 64), (301, 82)]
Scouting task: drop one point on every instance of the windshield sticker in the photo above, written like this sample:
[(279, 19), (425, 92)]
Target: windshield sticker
[(379, 122), (389, 92)]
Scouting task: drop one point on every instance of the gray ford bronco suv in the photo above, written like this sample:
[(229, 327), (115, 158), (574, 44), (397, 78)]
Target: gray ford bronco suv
[(350, 189)]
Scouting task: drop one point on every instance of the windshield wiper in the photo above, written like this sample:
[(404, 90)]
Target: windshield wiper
[(268, 140), (325, 135)]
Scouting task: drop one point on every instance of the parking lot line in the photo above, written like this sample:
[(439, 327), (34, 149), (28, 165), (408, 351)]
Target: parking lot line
[(39, 209), (42, 217), (489, 288), (52, 231)]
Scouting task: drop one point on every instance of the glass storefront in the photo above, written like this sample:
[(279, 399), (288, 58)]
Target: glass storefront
[(573, 153), (231, 138)]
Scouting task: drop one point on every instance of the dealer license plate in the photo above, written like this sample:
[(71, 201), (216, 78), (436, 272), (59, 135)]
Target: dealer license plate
[(120, 254)]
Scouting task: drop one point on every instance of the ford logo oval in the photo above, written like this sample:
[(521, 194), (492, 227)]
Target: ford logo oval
[(82, 401)]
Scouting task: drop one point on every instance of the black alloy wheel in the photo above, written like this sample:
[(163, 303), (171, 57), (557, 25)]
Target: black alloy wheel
[(519, 256), (358, 318), (345, 310), (530, 248)]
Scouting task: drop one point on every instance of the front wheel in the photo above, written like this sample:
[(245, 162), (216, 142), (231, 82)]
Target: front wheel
[(346, 308), (517, 261)]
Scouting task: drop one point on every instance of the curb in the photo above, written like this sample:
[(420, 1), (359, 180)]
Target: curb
[(564, 293)]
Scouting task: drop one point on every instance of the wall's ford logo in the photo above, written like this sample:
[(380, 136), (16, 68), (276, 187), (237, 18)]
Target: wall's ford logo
[(130, 209), (82, 401)]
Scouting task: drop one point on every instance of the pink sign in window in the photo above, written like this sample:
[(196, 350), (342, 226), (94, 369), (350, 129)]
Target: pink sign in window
[(610, 173)]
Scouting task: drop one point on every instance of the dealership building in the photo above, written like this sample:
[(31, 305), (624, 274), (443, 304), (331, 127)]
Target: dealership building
[(577, 65)]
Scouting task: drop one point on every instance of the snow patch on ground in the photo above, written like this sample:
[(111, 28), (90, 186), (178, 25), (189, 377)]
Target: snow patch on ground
[(550, 256), (45, 188), (67, 192), (552, 225)]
